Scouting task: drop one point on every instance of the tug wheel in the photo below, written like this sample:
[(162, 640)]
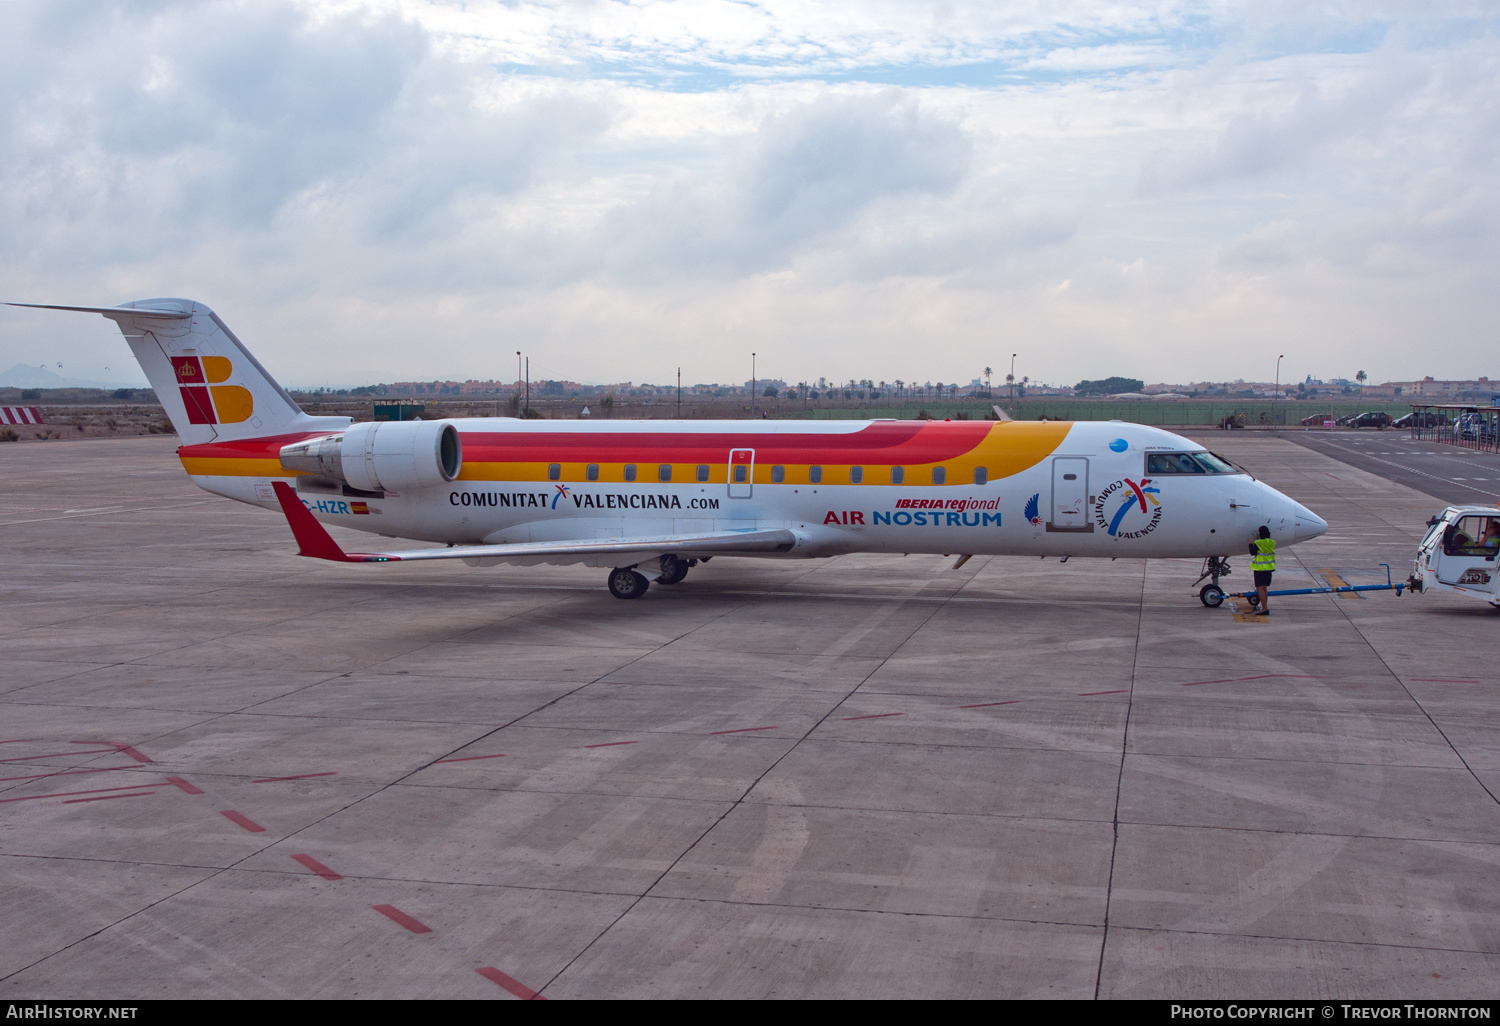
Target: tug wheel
[(1211, 595), (625, 583)]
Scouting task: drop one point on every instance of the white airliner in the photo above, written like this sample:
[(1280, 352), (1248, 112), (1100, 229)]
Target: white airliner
[(649, 499)]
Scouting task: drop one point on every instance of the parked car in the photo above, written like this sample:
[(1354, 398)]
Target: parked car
[(1318, 420), (1426, 418), (1374, 419)]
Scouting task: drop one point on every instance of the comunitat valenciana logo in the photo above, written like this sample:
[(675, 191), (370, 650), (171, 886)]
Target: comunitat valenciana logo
[(1128, 509)]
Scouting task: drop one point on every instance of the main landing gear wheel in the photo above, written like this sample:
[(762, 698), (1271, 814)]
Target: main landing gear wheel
[(1211, 595), (673, 570), (625, 583)]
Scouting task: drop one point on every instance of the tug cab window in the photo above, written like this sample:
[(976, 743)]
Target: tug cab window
[(1473, 536)]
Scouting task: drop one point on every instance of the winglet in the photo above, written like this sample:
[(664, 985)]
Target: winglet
[(312, 539)]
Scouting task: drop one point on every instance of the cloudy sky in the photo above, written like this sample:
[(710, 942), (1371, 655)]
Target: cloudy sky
[(1168, 189)]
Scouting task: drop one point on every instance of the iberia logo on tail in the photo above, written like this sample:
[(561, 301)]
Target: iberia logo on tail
[(207, 400)]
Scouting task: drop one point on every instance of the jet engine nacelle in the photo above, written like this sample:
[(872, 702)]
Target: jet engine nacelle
[(382, 456)]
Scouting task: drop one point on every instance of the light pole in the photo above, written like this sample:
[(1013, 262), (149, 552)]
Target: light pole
[(518, 382), (752, 386), (1276, 392), (1012, 383)]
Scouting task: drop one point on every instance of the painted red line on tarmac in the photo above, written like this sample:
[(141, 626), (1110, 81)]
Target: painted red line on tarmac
[(15, 741), (54, 755), (1086, 694), (122, 749), (517, 988), (394, 913), (875, 716), (1445, 680), (69, 794), (317, 867), (178, 782), (470, 758), (107, 797), (611, 744), (986, 705), (513, 986), (244, 821), (300, 776), (66, 773), (742, 730)]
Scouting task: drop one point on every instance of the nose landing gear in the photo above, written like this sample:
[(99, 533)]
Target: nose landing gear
[(1211, 595)]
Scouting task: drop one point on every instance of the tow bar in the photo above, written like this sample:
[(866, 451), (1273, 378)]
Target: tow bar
[(1213, 597)]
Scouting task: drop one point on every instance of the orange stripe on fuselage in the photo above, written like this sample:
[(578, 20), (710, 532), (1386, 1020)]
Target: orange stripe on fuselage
[(1003, 449), (246, 457)]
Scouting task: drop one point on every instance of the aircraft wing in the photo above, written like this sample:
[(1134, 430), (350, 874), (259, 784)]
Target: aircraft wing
[(315, 541)]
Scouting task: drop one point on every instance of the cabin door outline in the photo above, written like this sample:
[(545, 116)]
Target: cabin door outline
[(1070, 495), (741, 473)]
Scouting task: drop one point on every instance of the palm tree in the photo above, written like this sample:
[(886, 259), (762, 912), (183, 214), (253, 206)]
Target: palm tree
[(1361, 377), (987, 373)]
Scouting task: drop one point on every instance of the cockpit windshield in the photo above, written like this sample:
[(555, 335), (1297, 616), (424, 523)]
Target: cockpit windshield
[(1163, 463)]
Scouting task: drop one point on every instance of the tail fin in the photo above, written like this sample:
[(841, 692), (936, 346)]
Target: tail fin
[(209, 384)]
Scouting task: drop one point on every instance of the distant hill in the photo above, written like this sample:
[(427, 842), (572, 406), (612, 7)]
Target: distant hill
[(24, 375)]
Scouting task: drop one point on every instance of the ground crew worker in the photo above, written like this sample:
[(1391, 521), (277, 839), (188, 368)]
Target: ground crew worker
[(1263, 563)]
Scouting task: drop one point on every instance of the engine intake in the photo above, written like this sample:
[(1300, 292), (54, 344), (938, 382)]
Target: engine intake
[(381, 456)]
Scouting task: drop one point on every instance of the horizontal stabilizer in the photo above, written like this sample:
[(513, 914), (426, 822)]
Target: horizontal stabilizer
[(315, 541), (108, 311)]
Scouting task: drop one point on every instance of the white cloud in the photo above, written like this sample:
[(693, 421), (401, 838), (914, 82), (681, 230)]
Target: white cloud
[(404, 189)]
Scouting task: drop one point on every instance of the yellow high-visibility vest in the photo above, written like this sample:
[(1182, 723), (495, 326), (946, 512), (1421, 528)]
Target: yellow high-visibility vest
[(1265, 559)]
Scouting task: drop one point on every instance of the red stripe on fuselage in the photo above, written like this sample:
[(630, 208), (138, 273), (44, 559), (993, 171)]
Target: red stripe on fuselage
[(900, 442), (268, 448)]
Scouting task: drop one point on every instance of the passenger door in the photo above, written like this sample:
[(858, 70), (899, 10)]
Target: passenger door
[(1070, 494), (741, 473)]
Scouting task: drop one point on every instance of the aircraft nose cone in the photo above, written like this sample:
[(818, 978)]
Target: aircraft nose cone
[(1308, 525)]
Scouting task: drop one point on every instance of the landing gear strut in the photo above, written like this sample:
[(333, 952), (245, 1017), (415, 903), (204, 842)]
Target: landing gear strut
[(1211, 595), (625, 583), (674, 569)]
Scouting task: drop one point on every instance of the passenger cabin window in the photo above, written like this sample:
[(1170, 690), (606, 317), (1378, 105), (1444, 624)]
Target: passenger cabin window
[(664, 472), (630, 471), (1473, 536), (981, 475), (554, 471), (856, 475), (703, 472), (740, 472), (939, 475), (898, 474), (778, 475), (815, 475), (592, 472), (1159, 464)]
